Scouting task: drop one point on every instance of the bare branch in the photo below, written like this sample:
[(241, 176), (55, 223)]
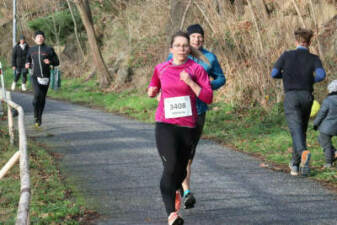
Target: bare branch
[(206, 17), (316, 26), (185, 13), (299, 13), (256, 25), (75, 30)]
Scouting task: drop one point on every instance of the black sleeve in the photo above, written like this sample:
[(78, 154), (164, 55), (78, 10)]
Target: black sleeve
[(14, 57), (54, 59), (280, 62), (317, 63), (29, 57)]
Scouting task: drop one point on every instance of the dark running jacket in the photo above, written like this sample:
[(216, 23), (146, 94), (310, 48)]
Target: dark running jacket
[(326, 119), (35, 57), (19, 55)]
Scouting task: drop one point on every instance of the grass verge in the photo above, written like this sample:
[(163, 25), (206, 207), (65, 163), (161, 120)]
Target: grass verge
[(52, 202)]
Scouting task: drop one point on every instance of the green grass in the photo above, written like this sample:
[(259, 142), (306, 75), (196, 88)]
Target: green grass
[(52, 202), (129, 103)]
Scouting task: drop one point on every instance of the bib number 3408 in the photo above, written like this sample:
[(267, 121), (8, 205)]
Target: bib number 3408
[(177, 107)]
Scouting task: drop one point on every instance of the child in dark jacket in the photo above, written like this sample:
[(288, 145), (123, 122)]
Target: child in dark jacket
[(326, 123)]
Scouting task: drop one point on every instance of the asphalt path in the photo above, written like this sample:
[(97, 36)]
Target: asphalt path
[(113, 161)]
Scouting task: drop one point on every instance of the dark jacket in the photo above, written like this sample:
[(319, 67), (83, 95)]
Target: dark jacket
[(35, 57), (19, 55), (326, 119), (297, 68)]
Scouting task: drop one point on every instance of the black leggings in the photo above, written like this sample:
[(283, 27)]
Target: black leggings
[(174, 146), (39, 100), (198, 132), (18, 72)]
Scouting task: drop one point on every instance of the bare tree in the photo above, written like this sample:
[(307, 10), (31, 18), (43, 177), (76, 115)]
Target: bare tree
[(56, 28), (75, 29), (177, 10), (85, 13), (256, 25), (320, 49), (299, 13)]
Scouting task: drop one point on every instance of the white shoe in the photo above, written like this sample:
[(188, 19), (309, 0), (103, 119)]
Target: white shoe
[(23, 87), (13, 86)]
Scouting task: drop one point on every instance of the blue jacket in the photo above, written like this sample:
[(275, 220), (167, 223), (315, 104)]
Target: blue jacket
[(213, 69)]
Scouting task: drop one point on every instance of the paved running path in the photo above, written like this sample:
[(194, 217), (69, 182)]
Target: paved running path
[(114, 162)]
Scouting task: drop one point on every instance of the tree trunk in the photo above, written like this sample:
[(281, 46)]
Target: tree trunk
[(261, 5), (87, 9), (103, 73), (177, 9), (239, 7), (75, 30)]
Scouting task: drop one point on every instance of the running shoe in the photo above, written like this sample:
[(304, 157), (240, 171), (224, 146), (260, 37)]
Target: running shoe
[(13, 86), (189, 201), (37, 123), (305, 160), (175, 219), (23, 87), (177, 203), (293, 169)]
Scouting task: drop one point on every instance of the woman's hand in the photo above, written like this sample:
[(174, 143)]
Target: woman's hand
[(188, 80), (152, 91), (185, 77), (159, 96)]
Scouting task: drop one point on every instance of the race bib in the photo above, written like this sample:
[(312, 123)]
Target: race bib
[(177, 107), (43, 80)]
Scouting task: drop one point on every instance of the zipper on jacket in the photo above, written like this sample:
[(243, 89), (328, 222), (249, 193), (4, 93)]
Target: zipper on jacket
[(40, 60)]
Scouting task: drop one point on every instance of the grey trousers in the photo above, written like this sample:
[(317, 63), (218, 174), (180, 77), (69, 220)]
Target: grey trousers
[(297, 108), (329, 150)]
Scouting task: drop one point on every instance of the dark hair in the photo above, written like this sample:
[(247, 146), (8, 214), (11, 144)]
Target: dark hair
[(179, 34), (193, 52), (22, 37), (303, 35), (39, 33), (195, 28)]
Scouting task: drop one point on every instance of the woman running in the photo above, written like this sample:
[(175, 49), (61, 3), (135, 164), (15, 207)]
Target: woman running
[(211, 65), (181, 81)]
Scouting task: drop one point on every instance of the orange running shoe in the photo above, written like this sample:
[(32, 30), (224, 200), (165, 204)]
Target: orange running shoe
[(175, 219), (177, 201), (305, 160)]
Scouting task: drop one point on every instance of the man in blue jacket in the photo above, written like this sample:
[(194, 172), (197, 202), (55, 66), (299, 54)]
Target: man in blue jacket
[(213, 68), (296, 68)]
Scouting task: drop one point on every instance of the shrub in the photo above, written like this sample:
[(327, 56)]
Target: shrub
[(63, 25)]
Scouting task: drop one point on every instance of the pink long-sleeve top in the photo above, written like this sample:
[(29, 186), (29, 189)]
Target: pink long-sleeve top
[(166, 77)]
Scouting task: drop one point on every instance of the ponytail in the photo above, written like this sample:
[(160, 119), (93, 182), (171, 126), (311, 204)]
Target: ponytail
[(196, 53)]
